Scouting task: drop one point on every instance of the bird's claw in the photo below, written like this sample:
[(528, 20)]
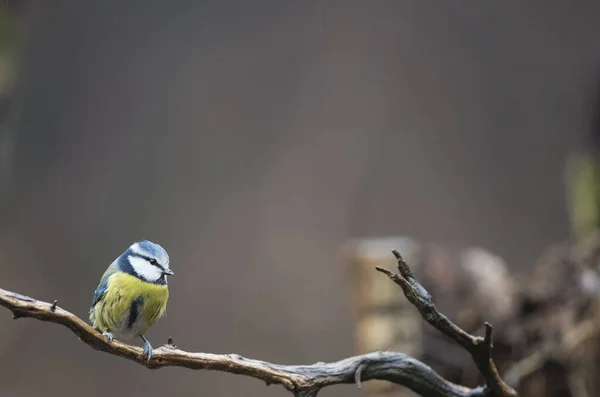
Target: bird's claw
[(147, 350), (108, 336)]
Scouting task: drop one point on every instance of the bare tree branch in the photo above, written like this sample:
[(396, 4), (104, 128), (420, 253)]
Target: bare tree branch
[(301, 380), (479, 348)]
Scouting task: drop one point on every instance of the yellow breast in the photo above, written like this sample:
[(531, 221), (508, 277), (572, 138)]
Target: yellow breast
[(130, 305)]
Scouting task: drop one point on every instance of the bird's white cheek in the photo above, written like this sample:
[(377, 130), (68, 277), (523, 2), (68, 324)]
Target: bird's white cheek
[(144, 269)]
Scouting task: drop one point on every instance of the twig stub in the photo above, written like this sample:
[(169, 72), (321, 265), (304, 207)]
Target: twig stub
[(171, 343), (358, 374)]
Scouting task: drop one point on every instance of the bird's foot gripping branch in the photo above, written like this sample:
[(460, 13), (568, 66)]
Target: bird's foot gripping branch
[(304, 380)]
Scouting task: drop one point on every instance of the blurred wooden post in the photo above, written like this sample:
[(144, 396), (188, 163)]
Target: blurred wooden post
[(385, 320)]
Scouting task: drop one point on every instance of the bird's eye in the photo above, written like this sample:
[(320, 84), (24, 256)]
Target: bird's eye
[(154, 262)]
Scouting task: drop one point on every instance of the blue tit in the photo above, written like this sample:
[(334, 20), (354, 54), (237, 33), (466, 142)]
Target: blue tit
[(132, 293)]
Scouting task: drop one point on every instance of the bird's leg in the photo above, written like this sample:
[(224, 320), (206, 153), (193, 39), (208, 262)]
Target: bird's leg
[(108, 336), (147, 347)]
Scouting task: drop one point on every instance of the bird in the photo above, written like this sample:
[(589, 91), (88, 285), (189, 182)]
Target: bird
[(132, 293)]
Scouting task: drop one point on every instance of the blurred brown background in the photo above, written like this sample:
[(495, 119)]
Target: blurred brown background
[(251, 140)]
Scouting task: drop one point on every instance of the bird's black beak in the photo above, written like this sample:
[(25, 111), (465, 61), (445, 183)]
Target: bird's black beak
[(169, 272)]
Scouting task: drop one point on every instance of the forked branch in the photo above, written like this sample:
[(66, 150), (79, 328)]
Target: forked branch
[(479, 348), (301, 380)]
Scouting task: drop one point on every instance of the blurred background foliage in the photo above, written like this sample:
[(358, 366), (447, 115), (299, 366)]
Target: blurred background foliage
[(8, 40), (11, 41), (12, 38)]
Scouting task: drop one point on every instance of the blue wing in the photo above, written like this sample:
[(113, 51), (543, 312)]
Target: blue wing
[(99, 293), (103, 286)]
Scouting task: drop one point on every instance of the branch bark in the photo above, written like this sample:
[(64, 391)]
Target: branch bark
[(301, 380), (479, 348)]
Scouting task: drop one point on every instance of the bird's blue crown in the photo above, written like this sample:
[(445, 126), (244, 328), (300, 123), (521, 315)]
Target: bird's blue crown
[(152, 250)]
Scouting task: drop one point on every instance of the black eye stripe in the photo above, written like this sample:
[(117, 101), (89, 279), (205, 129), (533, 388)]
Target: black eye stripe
[(152, 261)]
